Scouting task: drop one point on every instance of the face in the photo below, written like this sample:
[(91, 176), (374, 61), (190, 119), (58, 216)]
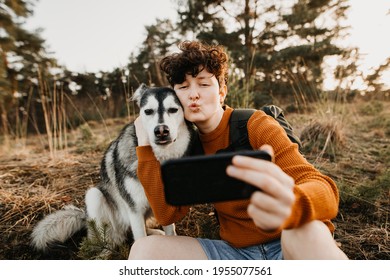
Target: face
[(202, 97), (161, 114)]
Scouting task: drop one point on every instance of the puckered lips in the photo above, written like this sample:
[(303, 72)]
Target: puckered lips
[(194, 107)]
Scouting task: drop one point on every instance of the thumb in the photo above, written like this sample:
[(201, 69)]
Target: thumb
[(267, 148)]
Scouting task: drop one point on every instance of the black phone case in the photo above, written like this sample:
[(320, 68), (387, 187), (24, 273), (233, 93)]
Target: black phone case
[(203, 179)]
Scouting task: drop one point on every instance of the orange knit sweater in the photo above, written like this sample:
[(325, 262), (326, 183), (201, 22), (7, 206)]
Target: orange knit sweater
[(316, 194)]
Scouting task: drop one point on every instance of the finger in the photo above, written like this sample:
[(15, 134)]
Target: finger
[(271, 205), (264, 220), (273, 198), (141, 133), (137, 122), (263, 181), (268, 148), (263, 166)]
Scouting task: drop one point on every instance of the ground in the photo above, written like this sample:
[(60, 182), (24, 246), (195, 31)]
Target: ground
[(34, 183)]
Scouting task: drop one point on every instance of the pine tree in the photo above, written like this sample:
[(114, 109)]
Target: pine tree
[(276, 47), (22, 54), (144, 66), (97, 245), (376, 87)]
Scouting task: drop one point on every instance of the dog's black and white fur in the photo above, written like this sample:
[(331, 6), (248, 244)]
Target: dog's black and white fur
[(119, 199)]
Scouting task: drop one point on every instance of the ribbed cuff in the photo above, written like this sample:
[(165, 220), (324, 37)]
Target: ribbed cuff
[(145, 153)]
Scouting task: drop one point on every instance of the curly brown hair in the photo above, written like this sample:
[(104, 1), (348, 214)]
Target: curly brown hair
[(193, 58)]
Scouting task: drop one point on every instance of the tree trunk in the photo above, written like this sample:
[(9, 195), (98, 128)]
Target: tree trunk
[(4, 122)]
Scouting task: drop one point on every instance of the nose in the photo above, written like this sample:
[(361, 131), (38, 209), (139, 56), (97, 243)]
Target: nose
[(161, 131), (194, 95)]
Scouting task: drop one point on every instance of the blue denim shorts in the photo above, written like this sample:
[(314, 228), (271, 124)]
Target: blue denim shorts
[(222, 250)]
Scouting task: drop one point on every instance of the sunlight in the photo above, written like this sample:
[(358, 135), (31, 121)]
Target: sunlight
[(368, 24)]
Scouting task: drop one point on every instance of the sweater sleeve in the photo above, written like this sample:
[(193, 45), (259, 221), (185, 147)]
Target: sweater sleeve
[(149, 174), (317, 196)]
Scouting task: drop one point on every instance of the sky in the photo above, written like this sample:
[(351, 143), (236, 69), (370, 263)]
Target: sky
[(370, 21), (99, 35), (96, 35)]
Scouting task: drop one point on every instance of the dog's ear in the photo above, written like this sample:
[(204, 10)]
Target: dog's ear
[(138, 93)]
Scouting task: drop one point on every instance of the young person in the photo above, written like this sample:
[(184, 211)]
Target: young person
[(288, 219)]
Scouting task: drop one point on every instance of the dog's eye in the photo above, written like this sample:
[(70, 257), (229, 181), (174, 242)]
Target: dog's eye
[(172, 110), (148, 111)]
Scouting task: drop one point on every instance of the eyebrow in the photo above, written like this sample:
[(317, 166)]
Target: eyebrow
[(203, 76)]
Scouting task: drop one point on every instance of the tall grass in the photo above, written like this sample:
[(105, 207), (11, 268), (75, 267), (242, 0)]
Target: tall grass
[(55, 117), (59, 113), (240, 94), (324, 135), (130, 109), (349, 141)]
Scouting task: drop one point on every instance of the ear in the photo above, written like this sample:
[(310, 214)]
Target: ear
[(222, 94), (138, 93)]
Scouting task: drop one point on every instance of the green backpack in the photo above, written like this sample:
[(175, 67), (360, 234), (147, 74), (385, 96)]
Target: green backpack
[(238, 138)]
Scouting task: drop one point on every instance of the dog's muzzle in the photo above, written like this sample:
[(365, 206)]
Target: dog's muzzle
[(162, 134)]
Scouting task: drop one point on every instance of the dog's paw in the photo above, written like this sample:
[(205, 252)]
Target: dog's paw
[(170, 229), (154, 231)]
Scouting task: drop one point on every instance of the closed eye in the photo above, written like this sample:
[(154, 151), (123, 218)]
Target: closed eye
[(182, 86), (148, 111), (172, 110)]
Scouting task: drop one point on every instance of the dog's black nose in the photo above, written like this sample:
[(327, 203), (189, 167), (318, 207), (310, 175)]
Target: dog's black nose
[(161, 131)]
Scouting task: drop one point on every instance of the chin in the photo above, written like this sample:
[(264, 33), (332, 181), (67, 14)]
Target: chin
[(194, 117)]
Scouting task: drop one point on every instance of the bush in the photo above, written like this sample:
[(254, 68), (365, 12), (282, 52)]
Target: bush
[(325, 138)]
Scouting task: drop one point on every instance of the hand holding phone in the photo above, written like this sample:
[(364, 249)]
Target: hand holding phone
[(203, 179)]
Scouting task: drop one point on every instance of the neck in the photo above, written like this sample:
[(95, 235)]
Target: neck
[(212, 123)]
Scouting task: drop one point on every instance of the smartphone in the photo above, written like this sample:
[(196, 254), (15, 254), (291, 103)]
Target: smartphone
[(203, 179)]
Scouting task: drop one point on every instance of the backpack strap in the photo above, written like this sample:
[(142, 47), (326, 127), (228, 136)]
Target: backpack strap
[(238, 132), (239, 139)]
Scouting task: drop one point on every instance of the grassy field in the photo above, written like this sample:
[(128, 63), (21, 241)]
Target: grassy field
[(350, 143)]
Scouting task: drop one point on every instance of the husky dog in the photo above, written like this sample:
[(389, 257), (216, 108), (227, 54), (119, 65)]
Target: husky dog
[(119, 200)]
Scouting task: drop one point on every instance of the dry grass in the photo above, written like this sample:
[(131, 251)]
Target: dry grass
[(31, 187), (27, 190), (358, 159), (322, 138), (32, 184)]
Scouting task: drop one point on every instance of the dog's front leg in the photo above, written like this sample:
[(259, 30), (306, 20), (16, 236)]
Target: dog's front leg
[(170, 229), (138, 227)]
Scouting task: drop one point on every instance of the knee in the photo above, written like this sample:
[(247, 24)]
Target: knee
[(144, 248), (310, 232), (312, 240), (313, 232)]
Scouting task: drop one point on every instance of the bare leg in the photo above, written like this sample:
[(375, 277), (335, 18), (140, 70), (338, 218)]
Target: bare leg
[(160, 247), (312, 241)]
